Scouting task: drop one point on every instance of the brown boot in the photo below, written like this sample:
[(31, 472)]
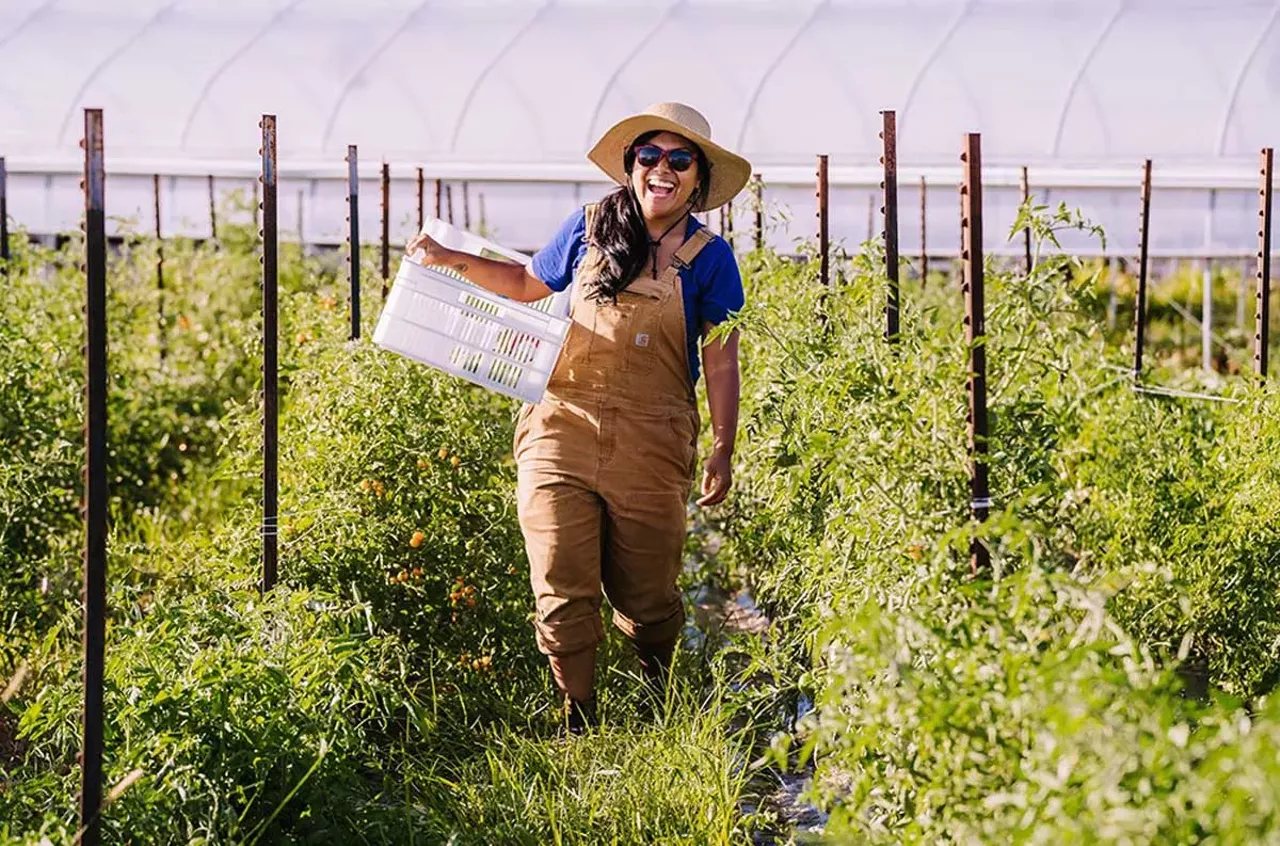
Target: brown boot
[(579, 716), (655, 663)]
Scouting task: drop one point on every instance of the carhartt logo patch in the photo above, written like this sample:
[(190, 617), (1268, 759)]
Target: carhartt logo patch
[(642, 340)]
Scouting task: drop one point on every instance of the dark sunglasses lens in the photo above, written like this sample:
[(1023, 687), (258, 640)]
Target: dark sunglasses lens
[(680, 160), (648, 155)]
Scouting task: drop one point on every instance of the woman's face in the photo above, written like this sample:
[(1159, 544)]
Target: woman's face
[(661, 190)]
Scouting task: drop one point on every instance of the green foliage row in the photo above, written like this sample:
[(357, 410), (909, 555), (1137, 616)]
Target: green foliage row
[(1133, 543)]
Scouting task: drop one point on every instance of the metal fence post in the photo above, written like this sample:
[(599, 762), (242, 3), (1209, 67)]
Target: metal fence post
[(759, 200), (448, 199), (4, 217), (439, 199), (95, 486), (466, 206), (1113, 298), (1026, 234), (1262, 314), (353, 237), (975, 337), (386, 226), (1206, 289), (160, 321), (270, 357), (1140, 301), (421, 216), (924, 232), (729, 224), (824, 267), (213, 212), (889, 136)]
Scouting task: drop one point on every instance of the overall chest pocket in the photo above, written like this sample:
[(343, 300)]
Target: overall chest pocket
[(628, 334)]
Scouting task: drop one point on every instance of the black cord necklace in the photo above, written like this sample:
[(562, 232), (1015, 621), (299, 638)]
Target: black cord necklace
[(653, 245)]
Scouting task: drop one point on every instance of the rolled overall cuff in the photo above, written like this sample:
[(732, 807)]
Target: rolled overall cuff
[(658, 631), (567, 637)]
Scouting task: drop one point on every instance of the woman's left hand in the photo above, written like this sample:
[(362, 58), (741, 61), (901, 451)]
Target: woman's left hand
[(717, 478)]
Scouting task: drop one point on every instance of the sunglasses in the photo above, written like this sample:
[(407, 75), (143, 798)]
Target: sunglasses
[(648, 155)]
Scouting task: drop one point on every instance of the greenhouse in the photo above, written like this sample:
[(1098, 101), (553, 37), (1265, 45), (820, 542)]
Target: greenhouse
[(506, 95), (895, 459)]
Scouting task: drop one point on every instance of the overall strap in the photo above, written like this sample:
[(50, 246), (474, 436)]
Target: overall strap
[(689, 249), (592, 255)]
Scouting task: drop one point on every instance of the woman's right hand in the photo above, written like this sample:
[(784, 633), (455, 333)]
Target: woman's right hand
[(433, 251)]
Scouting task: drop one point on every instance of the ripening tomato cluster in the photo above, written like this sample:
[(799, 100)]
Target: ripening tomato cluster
[(481, 663), (404, 576), (462, 593)]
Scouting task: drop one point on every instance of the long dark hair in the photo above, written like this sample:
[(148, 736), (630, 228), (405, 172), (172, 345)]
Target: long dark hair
[(619, 232)]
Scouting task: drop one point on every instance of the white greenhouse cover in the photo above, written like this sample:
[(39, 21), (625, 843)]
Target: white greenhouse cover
[(1081, 91)]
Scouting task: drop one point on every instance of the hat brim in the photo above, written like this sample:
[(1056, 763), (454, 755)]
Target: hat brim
[(729, 171)]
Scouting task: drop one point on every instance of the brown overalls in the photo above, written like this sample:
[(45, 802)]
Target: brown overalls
[(606, 462)]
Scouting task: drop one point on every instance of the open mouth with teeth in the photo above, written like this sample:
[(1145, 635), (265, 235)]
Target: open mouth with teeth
[(660, 187)]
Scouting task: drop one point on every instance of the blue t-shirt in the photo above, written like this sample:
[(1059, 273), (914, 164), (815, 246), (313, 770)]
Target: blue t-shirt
[(712, 284)]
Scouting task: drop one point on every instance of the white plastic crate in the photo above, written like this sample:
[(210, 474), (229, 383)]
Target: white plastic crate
[(439, 318)]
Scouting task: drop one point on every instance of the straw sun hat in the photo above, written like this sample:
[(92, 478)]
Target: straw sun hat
[(729, 171)]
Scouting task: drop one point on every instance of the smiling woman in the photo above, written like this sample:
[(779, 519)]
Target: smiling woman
[(606, 460)]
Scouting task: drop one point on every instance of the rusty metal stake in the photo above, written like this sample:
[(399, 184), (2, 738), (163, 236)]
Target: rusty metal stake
[(386, 226), (421, 210), (1140, 302), (353, 237), (466, 206), (160, 321), (924, 233), (824, 267), (439, 199), (95, 484), (730, 223), (975, 338), (1262, 311), (213, 212), (4, 218), (448, 197), (1026, 195), (758, 189), (270, 356), (889, 136)]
